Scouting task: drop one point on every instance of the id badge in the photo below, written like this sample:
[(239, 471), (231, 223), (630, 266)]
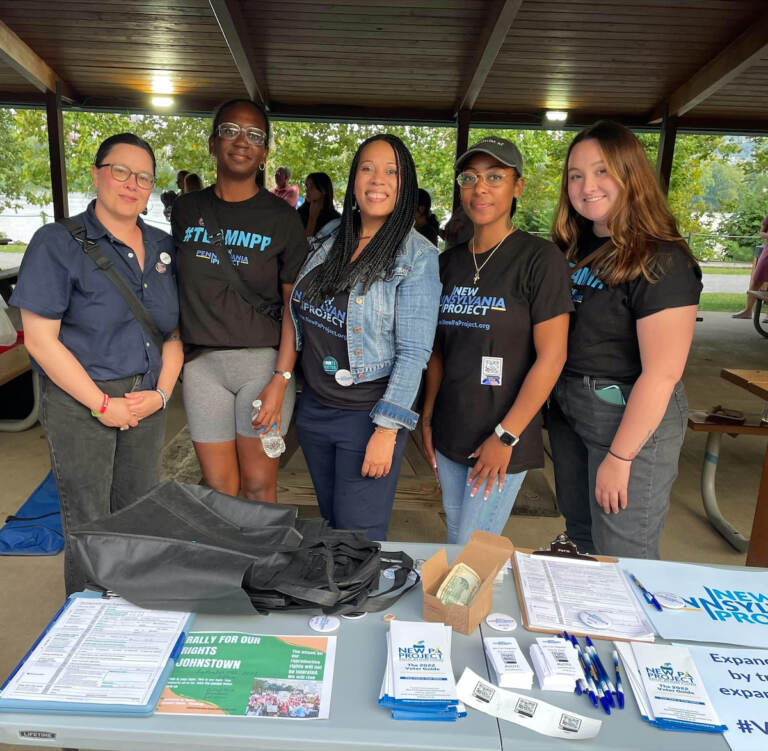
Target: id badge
[(490, 371)]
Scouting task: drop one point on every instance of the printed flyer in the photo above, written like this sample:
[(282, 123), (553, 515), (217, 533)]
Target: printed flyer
[(737, 683), (253, 675), (705, 604)]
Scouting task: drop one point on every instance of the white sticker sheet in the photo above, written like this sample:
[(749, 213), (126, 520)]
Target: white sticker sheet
[(536, 715)]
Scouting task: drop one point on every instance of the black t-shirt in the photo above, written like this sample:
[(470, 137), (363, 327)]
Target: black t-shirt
[(267, 245), (485, 337), (324, 355), (602, 341), (325, 216)]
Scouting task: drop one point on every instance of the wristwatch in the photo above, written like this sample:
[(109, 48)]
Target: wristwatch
[(508, 439), (284, 373)]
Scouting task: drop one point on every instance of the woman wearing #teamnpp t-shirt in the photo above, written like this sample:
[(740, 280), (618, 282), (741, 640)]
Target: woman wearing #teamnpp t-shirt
[(237, 352), (500, 346)]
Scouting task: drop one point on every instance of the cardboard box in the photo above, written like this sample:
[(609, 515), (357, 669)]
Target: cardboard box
[(485, 554)]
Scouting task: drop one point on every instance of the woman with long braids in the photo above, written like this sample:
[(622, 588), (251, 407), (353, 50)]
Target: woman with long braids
[(618, 413), (365, 308), (239, 249), (500, 345)]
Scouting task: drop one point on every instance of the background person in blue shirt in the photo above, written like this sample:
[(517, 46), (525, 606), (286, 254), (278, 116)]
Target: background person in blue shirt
[(365, 308), (104, 384)]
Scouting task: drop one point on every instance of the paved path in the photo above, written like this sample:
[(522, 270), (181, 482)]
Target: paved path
[(725, 282)]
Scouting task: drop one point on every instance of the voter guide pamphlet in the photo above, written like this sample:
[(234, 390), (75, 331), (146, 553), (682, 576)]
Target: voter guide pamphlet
[(101, 651), (421, 661), (562, 594), (253, 675)]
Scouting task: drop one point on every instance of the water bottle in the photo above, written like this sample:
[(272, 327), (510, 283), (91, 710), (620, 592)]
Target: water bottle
[(271, 440)]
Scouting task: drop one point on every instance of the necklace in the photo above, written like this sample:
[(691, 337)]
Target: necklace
[(478, 269)]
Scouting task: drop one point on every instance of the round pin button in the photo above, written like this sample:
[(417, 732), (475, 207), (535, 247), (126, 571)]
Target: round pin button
[(501, 622), (344, 377), (330, 365), (670, 600), (165, 258), (324, 623), (593, 619), (353, 616)]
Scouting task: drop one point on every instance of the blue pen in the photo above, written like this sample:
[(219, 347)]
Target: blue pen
[(650, 599), (591, 688), (605, 703), (619, 687), (581, 687), (605, 681)]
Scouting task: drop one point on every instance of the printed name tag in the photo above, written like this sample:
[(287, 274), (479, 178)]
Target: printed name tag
[(490, 371)]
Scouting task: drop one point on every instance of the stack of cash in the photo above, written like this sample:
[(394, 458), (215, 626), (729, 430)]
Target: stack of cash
[(460, 586)]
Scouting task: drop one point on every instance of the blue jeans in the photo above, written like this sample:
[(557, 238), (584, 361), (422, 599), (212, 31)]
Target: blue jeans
[(581, 429), (98, 469), (464, 514), (334, 442)]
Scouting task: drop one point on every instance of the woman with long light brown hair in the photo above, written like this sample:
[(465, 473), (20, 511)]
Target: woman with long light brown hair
[(618, 412)]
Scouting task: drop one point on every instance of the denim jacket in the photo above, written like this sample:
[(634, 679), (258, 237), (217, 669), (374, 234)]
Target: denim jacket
[(391, 329)]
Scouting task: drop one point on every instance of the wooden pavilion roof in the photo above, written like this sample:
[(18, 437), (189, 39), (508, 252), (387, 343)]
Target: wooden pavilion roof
[(503, 61)]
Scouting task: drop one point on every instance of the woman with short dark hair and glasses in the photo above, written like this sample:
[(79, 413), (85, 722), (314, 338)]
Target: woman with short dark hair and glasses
[(365, 306), (239, 248), (500, 345), (104, 382)]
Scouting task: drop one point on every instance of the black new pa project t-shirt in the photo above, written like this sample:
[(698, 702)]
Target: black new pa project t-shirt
[(324, 354), (266, 242), (602, 340), (485, 338)]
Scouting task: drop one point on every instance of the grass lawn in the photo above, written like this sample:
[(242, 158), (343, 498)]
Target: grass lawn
[(726, 271), (13, 248), (722, 302)]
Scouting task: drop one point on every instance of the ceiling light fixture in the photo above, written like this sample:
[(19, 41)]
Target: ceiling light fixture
[(555, 116), (162, 101)]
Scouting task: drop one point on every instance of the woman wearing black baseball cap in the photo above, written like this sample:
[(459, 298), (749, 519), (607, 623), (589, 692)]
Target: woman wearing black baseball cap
[(500, 346)]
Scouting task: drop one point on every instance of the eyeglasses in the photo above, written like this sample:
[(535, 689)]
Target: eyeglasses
[(122, 174), (491, 179), (230, 131)]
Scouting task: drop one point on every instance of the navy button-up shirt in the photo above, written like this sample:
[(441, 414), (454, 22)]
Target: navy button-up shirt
[(58, 280)]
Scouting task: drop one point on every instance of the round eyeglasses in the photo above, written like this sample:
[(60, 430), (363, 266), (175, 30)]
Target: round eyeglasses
[(491, 179), (230, 131), (122, 174)]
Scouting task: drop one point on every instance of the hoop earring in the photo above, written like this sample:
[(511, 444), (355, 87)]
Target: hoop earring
[(261, 167)]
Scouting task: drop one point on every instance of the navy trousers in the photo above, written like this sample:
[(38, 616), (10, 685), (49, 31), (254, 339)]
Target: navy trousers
[(334, 441)]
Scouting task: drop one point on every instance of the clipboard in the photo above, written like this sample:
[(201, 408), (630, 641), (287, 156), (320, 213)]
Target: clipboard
[(562, 548), (88, 708)]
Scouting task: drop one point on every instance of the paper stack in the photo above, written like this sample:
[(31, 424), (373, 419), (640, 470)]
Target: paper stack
[(508, 662), (668, 688), (556, 663), (418, 681)]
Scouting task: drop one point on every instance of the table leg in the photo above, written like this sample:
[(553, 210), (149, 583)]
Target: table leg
[(757, 555), (709, 497)]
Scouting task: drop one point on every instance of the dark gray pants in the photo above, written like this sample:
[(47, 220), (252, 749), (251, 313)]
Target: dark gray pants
[(98, 469), (581, 429)]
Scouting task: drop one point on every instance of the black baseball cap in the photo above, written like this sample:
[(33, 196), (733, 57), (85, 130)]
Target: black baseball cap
[(499, 148)]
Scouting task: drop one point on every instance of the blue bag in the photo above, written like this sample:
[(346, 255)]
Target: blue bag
[(35, 529)]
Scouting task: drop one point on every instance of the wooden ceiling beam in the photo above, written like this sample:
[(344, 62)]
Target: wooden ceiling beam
[(233, 28), (22, 58), (739, 55), (493, 38)]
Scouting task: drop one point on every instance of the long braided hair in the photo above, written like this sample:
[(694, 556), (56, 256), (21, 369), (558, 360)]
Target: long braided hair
[(377, 259)]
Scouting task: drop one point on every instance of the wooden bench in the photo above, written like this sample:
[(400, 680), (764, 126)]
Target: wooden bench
[(761, 296), (697, 421)]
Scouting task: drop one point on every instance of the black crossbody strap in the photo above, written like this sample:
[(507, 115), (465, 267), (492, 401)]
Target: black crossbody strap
[(91, 249), (204, 199)]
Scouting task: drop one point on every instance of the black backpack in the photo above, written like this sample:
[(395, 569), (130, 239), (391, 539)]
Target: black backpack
[(186, 547)]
